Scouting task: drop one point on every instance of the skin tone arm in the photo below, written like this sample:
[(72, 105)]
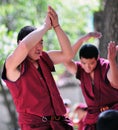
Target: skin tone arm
[(83, 39), (22, 50), (71, 66), (113, 71), (66, 53)]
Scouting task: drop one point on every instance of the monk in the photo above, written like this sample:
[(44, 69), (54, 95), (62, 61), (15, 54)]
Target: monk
[(98, 76), (28, 74)]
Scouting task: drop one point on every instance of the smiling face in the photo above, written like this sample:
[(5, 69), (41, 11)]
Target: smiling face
[(88, 64), (36, 51)]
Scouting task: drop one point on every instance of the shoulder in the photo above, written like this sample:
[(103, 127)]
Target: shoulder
[(45, 55), (79, 70), (103, 63), (103, 66), (46, 59)]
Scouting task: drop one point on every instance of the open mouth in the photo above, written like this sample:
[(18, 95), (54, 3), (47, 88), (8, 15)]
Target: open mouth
[(38, 52)]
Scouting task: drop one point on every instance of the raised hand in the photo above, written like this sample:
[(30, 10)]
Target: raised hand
[(95, 34), (53, 16), (112, 51), (47, 22)]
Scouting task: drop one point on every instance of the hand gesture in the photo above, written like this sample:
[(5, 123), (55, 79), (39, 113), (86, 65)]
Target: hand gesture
[(90, 35), (95, 34), (112, 51), (53, 16), (48, 22)]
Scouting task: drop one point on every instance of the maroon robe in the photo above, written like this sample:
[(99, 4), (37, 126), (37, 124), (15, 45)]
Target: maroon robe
[(99, 97), (35, 93)]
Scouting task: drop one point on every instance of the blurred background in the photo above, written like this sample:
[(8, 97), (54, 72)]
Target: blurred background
[(77, 17)]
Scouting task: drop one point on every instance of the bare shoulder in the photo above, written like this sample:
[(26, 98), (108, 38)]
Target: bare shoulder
[(12, 74)]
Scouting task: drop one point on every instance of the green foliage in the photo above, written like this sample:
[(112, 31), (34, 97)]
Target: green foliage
[(75, 17)]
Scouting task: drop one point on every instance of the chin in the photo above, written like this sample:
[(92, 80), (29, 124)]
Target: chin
[(37, 58), (88, 71)]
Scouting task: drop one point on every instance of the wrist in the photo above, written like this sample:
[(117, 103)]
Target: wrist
[(56, 26), (46, 26)]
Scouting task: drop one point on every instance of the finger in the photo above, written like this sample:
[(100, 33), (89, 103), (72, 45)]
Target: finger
[(112, 46), (51, 15), (117, 48), (53, 12), (98, 34), (51, 9), (50, 19)]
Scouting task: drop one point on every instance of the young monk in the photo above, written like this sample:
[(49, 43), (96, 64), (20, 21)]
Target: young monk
[(27, 73), (98, 76)]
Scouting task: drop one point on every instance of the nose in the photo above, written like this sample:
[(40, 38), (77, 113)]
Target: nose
[(39, 45), (88, 66)]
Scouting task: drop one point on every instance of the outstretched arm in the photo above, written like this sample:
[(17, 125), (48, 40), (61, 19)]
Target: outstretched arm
[(113, 71), (65, 54), (22, 50), (27, 44), (83, 39), (71, 66)]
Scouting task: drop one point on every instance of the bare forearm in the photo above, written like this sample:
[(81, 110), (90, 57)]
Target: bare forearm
[(113, 72), (64, 43), (33, 38), (85, 38), (79, 42)]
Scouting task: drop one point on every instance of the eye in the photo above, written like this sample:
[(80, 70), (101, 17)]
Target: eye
[(41, 41), (83, 63)]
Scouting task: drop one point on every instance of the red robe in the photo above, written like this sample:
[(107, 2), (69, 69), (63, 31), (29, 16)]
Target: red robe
[(100, 96), (35, 95)]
